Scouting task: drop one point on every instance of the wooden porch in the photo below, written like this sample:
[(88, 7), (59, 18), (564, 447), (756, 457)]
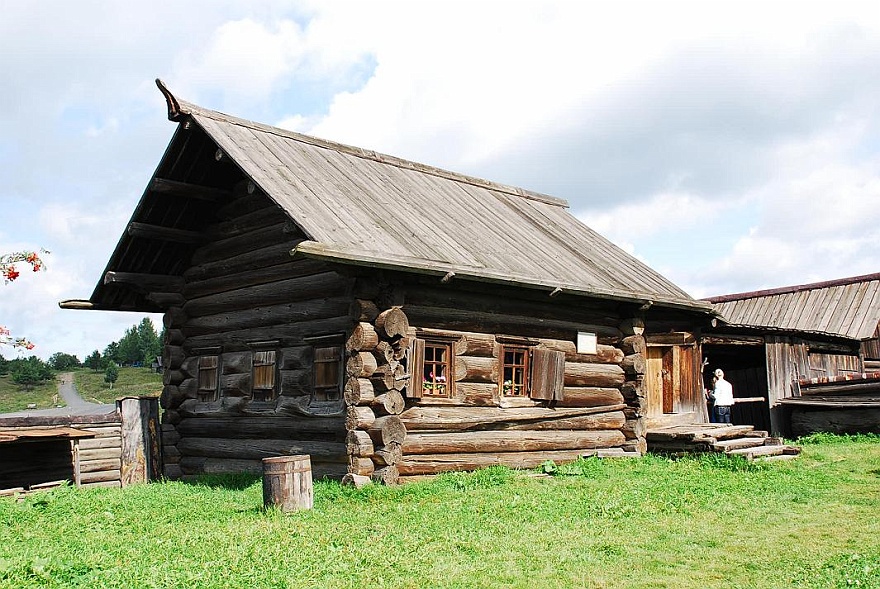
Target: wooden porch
[(735, 440)]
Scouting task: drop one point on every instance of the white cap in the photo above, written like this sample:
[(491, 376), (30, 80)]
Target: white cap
[(719, 373)]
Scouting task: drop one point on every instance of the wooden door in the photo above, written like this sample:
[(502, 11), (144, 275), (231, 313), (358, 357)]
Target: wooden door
[(670, 381)]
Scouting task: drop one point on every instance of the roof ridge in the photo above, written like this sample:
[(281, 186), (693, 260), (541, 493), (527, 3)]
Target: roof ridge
[(792, 289), (180, 109)]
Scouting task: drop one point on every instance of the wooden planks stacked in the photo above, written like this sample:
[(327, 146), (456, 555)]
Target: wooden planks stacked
[(99, 459), (735, 440), (376, 379)]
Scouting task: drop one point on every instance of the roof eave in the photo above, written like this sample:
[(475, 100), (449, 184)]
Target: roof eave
[(329, 253)]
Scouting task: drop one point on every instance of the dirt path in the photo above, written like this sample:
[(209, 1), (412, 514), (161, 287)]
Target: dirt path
[(76, 405)]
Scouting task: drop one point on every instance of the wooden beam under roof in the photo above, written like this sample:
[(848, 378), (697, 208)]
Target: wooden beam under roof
[(187, 190), (146, 282), (159, 232)]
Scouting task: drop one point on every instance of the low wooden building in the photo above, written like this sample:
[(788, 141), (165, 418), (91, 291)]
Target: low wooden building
[(386, 317), (771, 343)]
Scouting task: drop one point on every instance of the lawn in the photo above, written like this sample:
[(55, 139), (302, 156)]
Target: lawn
[(650, 522), (132, 382), (13, 397)]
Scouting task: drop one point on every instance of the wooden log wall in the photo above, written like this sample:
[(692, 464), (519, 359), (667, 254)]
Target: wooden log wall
[(243, 287), (480, 427)]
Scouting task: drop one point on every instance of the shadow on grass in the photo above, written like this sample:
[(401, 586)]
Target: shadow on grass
[(232, 482)]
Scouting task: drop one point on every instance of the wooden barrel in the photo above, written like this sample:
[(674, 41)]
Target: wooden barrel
[(287, 482)]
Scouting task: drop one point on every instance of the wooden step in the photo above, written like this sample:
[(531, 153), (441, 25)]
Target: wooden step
[(776, 457), (765, 451), (737, 443)]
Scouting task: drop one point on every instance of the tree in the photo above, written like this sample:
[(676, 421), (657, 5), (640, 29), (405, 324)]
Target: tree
[(111, 374), (149, 343), (29, 371), (111, 353), (93, 361), (9, 272), (62, 361)]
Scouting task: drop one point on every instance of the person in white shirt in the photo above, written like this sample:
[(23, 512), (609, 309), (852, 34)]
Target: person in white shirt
[(723, 397)]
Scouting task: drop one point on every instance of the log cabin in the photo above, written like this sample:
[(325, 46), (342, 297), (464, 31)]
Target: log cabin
[(807, 356), (388, 318)]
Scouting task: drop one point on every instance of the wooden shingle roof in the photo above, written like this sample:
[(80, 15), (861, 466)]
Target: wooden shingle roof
[(360, 207), (849, 307)]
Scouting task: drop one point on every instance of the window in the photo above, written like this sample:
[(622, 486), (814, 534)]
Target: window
[(436, 374), (264, 375), (328, 371), (207, 378), (515, 371)]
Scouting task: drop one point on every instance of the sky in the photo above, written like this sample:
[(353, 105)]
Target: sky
[(732, 146)]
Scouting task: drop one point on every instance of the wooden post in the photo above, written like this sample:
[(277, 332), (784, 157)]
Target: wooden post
[(287, 482), (141, 449)]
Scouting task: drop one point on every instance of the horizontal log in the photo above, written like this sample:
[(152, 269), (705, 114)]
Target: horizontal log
[(634, 365), (634, 344), (363, 338), (360, 466), (100, 465), (390, 403), (427, 418), (363, 310), (112, 484), (259, 449), (836, 421), (288, 334), (110, 453), (245, 263), (359, 418), (589, 397), (593, 375), (465, 319), (476, 369), (392, 324), (428, 464), (605, 354), (389, 377), (361, 365), (100, 476), (387, 475), (476, 344), (283, 268), (301, 288), (534, 306), (634, 429), (610, 420), (174, 317), (386, 430), (356, 480), (509, 441), (277, 231), (100, 443), (359, 443), (197, 465), (359, 391), (478, 394), (267, 315), (388, 455), (243, 427)]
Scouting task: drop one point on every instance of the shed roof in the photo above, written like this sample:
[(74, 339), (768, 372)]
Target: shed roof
[(360, 207), (848, 307)]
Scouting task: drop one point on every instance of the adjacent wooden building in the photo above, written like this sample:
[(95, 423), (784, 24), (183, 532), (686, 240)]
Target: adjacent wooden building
[(388, 318), (775, 344)]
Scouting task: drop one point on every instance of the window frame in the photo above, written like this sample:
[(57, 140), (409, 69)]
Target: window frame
[(524, 367), (271, 361), (207, 394), (340, 372), (447, 384)]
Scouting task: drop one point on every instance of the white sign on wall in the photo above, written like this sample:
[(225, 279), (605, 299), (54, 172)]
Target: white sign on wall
[(586, 343)]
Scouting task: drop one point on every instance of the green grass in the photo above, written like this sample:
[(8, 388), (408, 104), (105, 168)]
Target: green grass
[(653, 522), (13, 397), (132, 382)]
